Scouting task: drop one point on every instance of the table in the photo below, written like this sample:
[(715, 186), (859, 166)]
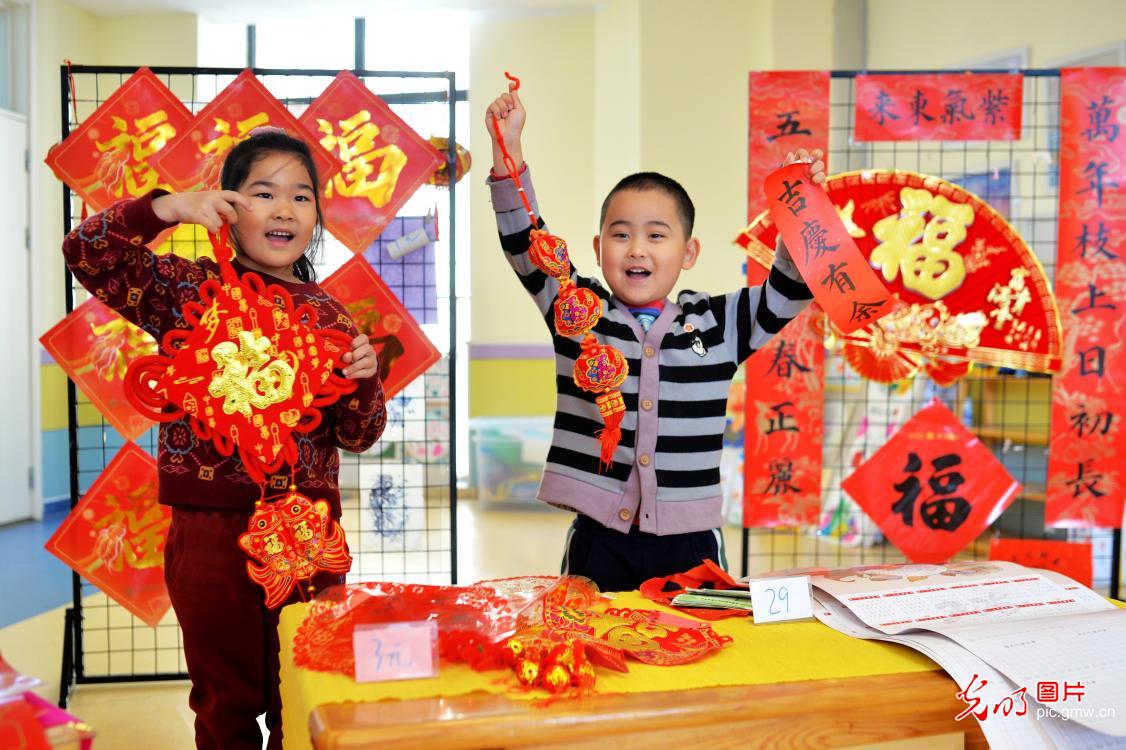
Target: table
[(797, 684)]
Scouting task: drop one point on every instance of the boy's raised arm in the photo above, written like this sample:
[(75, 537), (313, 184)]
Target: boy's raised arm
[(509, 114)]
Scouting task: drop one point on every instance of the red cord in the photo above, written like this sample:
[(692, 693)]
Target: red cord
[(509, 163)]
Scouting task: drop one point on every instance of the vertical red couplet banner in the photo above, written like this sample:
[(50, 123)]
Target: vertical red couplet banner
[(1087, 456), (789, 110)]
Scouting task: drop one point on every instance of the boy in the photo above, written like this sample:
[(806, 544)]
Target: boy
[(657, 510)]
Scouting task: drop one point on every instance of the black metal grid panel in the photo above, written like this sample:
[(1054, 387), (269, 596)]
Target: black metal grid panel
[(1008, 409), (405, 531)]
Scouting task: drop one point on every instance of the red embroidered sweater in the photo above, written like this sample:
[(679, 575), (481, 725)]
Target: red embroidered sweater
[(107, 254)]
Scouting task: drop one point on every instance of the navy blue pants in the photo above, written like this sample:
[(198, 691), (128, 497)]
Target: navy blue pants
[(622, 562)]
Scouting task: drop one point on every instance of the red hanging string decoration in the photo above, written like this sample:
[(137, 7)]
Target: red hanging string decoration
[(600, 369)]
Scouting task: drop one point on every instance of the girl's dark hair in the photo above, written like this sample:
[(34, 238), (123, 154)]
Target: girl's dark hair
[(236, 168)]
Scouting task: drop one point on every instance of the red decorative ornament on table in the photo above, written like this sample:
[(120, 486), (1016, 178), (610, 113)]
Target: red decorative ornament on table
[(249, 372), (549, 631), (600, 369)]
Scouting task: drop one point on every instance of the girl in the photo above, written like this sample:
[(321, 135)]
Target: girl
[(270, 197)]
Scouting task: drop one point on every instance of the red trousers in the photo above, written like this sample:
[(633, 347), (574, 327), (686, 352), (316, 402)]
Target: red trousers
[(230, 638)]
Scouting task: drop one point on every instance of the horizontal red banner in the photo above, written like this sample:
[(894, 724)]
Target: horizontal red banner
[(939, 107)]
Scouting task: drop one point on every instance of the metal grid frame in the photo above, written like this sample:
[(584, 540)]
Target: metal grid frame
[(1027, 196), (408, 535)]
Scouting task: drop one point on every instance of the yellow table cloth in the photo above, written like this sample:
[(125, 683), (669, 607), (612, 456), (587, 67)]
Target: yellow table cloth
[(760, 654)]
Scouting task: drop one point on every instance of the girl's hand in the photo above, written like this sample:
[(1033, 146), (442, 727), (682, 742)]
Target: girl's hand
[(361, 361), (208, 208), (815, 159)]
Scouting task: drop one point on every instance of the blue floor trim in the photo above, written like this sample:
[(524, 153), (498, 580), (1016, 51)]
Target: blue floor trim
[(56, 505)]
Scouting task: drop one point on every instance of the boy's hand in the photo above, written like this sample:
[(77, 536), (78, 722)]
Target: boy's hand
[(208, 208), (361, 361), (815, 159), (510, 114), (816, 171)]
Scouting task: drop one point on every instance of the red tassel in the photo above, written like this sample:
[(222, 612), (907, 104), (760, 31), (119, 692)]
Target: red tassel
[(613, 410)]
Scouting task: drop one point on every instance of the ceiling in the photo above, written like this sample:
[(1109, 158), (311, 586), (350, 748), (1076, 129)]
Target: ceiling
[(247, 11)]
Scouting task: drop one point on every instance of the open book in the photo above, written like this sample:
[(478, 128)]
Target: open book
[(1040, 659)]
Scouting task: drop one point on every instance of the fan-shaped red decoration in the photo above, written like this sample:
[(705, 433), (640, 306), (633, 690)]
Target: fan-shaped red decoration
[(973, 290)]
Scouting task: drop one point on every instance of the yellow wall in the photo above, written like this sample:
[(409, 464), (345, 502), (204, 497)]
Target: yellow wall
[(936, 35), (552, 55), (636, 85), (511, 387), (148, 39), (63, 31), (616, 109), (694, 118)]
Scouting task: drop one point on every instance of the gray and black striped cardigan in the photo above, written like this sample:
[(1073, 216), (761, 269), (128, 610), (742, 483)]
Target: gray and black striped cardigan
[(666, 468)]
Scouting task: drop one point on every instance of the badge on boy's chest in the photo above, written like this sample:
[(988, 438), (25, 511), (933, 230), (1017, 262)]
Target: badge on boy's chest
[(698, 347)]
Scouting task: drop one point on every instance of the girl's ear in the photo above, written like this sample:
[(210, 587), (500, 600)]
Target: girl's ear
[(597, 250)]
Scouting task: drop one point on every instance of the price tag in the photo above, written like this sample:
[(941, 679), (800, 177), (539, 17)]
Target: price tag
[(778, 599), (395, 650)]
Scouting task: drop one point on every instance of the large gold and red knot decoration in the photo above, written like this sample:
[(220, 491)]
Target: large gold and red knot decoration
[(250, 369), (292, 538)]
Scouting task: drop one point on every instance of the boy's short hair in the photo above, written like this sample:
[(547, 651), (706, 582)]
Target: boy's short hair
[(656, 181)]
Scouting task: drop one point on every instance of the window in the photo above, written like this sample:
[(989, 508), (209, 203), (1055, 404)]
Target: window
[(14, 67)]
